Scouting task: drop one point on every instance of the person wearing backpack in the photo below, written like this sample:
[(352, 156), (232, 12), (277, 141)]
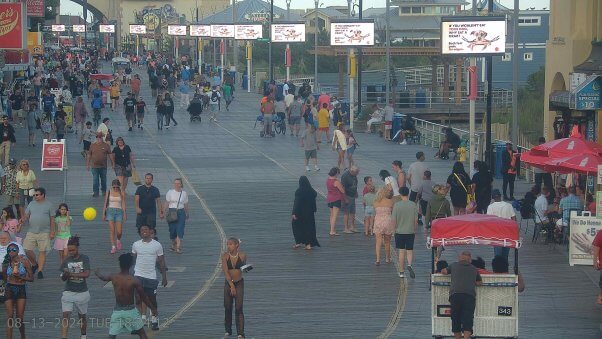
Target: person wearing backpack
[(214, 99)]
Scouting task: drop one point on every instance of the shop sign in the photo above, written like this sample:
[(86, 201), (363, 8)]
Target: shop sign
[(35, 8), (12, 25), (53, 153), (583, 229), (587, 96)]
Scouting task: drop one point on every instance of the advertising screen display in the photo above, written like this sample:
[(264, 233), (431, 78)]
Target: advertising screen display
[(137, 29), (200, 30), (473, 35), (176, 30), (222, 31), (291, 32), (79, 28), (58, 28), (352, 33), (248, 32), (106, 28)]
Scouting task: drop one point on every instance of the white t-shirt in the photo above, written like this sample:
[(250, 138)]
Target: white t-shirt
[(541, 206), (501, 209), (393, 182), (172, 198), (288, 100), (146, 258), (416, 170), (284, 89)]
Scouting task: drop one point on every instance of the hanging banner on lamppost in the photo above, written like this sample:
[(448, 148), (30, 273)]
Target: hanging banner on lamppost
[(288, 32), (12, 26), (222, 31), (352, 33), (137, 29), (203, 31), (79, 28), (248, 32)]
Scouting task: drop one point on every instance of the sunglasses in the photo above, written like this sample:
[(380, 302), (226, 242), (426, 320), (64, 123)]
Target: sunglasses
[(12, 249), (37, 195)]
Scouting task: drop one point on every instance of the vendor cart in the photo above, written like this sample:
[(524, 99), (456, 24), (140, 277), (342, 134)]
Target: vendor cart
[(496, 312)]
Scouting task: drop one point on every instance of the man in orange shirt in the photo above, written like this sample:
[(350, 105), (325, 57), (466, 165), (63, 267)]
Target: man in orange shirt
[(135, 85)]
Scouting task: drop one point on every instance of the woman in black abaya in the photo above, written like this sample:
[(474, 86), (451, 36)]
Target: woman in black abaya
[(304, 208)]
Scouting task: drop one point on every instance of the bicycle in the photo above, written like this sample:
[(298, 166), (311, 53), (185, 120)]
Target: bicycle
[(279, 124)]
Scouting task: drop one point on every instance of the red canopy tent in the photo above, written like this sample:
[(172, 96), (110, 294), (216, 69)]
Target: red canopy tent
[(474, 229), (565, 155), (565, 147)]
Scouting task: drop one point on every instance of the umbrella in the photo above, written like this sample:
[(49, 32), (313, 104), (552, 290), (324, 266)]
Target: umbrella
[(474, 229), (582, 163), (565, 147)]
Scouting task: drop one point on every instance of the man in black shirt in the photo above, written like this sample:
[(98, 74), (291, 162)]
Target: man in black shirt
[(462, 294), (16, 100), (147, 200), (129, 104), (349, 182)]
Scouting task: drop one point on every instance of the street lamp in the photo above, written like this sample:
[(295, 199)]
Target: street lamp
[(288, 47), (316, 46), (270, 42)]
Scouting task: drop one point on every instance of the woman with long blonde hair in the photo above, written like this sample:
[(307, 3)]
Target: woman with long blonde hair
[(383, 224)]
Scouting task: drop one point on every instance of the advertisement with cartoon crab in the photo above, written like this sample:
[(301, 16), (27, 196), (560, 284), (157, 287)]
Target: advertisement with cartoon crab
[(288, 32), (176, 30), (222, 31), (106, 28), (137, 29), (248, 32), (200, 30), (473, 37), (352, 34)]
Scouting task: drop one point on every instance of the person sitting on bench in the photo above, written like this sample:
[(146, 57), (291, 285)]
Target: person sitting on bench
[(377, 116), (452, 141)]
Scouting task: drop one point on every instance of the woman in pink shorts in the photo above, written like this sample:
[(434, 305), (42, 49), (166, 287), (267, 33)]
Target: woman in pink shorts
[(383, 225)]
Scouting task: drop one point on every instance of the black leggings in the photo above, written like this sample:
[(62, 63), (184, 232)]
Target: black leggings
[(228, 301)]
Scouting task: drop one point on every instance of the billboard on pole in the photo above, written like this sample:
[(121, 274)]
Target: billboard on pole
[(137, 29), (79, 28), (12, 26), (179, 30), (35, 8), (106, 28), (473, 35), (222, 31), (58, 28), (248, 32), (200, 30), (352, 33), (288, 32)]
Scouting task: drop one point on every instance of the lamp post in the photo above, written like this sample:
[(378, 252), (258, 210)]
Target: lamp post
[(388, 52), (359, 63), (288, 47), (271, 64), (316, 47), (235, 42), (85, 14)]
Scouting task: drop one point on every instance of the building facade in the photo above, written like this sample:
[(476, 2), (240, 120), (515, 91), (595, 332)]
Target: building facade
[(573, 65)]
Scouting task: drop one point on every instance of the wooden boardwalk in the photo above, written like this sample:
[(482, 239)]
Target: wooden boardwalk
[(243, 186)]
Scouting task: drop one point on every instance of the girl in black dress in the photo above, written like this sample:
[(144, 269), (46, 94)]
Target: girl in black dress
[(481, 185), (459, 182), (304, 208)]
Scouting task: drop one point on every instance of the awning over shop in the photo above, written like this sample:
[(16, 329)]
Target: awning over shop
[(586, 97)]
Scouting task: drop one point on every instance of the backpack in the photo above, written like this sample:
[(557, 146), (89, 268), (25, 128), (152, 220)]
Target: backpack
[(214, 96)]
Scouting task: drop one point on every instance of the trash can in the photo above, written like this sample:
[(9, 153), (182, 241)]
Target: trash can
[(404, 99), (499, 151), (397, 121)]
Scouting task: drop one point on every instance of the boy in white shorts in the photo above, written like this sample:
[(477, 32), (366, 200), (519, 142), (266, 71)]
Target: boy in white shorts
[(76, 269)]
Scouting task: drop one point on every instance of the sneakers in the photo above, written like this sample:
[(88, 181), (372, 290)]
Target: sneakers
[(40, 275), (119, 245), (113, 250), (307, 168), (411, 270), (226, 335), (129, 129), (403, 143), (317, 168), (401, 275), (143, 318), (154, 323)]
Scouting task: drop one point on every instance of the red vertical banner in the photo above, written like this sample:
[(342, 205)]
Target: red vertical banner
[(287, 57), (11, 25), (472, 81)]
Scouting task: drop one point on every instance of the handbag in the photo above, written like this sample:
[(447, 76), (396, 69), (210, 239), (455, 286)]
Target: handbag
[(471, 203), (136, 178), (172, 213)]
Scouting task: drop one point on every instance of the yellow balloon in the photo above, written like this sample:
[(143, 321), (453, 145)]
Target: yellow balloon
[(89, 213)]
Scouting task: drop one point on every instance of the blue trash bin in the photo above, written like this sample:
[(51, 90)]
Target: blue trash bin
[(499, 151), (397, 121)]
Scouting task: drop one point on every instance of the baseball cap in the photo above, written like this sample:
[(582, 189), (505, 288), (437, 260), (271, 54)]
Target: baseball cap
[(12, 161), (496, 193)]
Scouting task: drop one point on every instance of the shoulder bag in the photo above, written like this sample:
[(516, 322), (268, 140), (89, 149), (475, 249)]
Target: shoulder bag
[(172, 213), (471, 204)]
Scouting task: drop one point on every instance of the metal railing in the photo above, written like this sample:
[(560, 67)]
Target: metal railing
[(431, 134)]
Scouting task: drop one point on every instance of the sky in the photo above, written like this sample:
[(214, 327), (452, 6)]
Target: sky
[(68, 7)]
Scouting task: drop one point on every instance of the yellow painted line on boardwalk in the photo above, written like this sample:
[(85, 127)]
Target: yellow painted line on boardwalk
[(218, 227), (403, 290)]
